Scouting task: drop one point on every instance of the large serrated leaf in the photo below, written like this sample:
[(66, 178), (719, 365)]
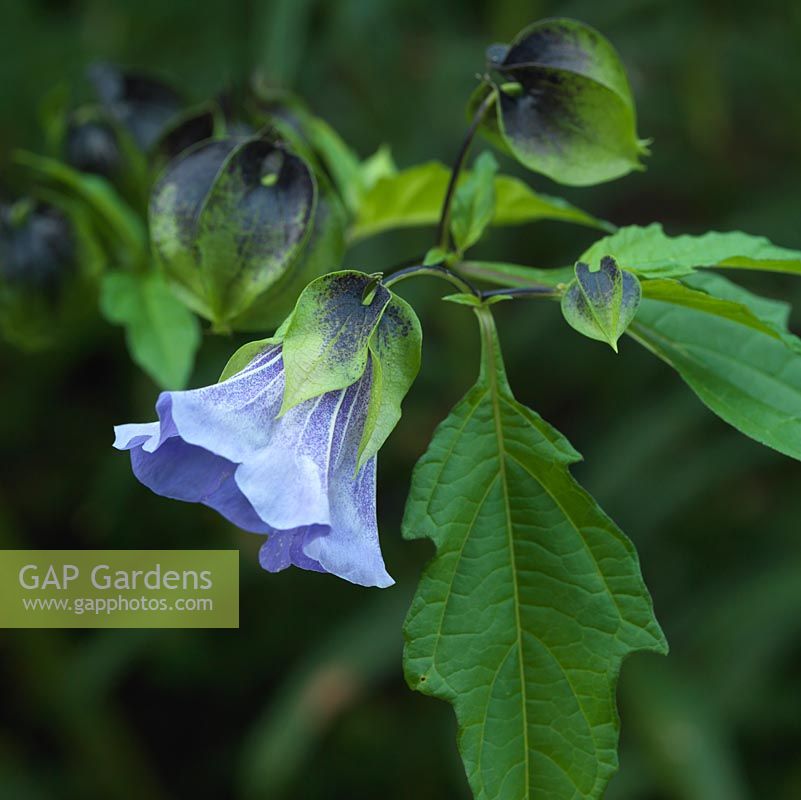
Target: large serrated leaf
[(533, 599), (413, 197), (749, 377), (651, 253)]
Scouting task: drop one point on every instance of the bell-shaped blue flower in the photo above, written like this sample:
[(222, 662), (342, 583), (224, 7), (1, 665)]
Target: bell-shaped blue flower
[(293, 477)]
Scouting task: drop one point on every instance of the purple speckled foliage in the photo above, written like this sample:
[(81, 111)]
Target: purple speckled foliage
[(293, 478)]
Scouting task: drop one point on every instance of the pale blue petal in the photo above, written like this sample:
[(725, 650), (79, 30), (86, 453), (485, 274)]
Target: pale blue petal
[(291, 477)]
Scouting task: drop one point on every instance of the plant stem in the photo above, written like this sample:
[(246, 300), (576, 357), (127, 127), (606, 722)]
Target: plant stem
[(444, 228), (438, 271), (523, 291)]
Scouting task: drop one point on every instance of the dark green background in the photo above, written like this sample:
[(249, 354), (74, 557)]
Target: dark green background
[(307, 699)]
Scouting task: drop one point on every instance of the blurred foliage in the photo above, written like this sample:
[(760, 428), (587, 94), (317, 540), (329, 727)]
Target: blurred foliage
[(307, 698)]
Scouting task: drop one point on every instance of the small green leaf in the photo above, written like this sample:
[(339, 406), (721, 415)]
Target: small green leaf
[(748, 377), (375, 167), (567, 110), (413, 198), (395, 358), (474, 203), (651, 253), (162, 334), (601, 304), (326, 346), (435, 255), (463, 299), (475, 302), (532, 601)]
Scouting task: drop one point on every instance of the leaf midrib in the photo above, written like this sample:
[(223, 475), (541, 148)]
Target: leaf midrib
[(494, 391)]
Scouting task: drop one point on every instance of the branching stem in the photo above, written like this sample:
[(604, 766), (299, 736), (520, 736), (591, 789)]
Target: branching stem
[(438, 271), (523, 291), (444, 228)]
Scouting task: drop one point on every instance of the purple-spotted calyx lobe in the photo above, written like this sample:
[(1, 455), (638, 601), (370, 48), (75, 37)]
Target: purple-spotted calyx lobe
[(602, 303)]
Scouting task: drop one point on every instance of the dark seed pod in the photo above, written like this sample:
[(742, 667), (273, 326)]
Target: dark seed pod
[(563, 106), (188, 131), (37, 245), (92, 146), (143, 105), (229, 219)]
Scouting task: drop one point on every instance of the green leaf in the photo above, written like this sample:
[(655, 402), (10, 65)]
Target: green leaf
[(517, 203), (326, 346), (375, 167), (342, 163), (474, 203), (413, 197), (601, 304), (473, 301), (461, 299), (515, 275), (746, 376), (567, 111), (531, 603), (434, 256), (162, 334), (670, 290), (650, 252), (775, 313), (395, 359)]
